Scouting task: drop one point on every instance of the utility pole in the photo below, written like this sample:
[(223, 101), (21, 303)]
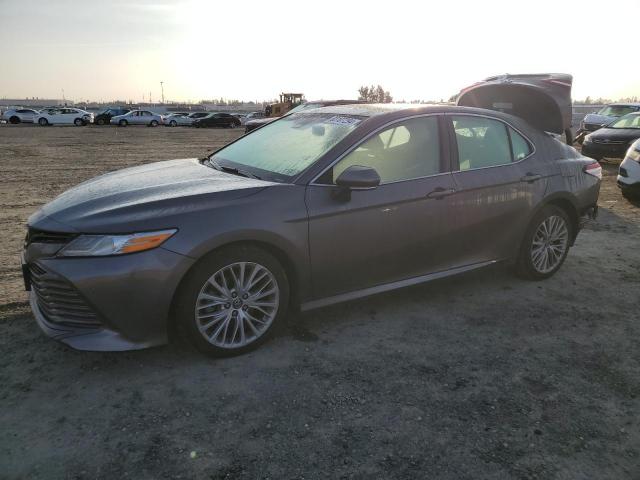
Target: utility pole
[(150, 98), (162, 89)]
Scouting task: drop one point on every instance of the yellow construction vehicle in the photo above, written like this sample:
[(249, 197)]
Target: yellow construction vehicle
[(286, 103)]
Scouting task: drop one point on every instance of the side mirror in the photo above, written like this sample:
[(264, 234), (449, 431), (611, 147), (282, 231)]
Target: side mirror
[(358, 177)]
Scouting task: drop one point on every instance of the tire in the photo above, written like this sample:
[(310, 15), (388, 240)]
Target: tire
[(123, 123), (173, 123), (232, 125), (43, 122), (544, 258), (78, 122), (14, 120), (100, 121), (229, 319), (154, 123)]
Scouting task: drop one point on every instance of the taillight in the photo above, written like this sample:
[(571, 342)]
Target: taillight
[(594, 169)]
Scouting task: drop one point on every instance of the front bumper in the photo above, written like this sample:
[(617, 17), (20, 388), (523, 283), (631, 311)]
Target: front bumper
[(106, 303), (599, 150)]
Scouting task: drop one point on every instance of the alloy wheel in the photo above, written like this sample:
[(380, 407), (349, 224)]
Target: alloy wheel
[(237, 305), (549, 244)]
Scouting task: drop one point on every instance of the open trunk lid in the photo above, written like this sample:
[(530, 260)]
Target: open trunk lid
[(543, 100)]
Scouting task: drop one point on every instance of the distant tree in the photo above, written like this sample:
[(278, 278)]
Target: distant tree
[(374, 94)]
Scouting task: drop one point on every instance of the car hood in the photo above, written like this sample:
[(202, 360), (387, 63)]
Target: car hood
[(137, 198), (543, 100), (598, 119), (616, 133)]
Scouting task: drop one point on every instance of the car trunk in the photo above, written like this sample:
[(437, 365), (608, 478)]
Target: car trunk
[(543, 100)]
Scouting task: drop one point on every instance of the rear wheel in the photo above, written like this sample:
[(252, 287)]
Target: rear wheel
[(43, 122), (546, 244), (15, 120), (78, 122), (100, 121), (123, 123), (232, 301)]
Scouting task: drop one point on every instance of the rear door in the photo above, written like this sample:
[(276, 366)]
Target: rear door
[(497, 182), (396, 231)]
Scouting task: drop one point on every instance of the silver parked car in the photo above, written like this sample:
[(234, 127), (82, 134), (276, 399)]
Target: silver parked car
[(183, 119), (629, 172), (604, 116), (19, 115), (138, 117)]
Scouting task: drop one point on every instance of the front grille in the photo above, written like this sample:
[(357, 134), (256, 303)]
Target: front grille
[(40, 236), (59, 301), (623, 172), (606, 141)]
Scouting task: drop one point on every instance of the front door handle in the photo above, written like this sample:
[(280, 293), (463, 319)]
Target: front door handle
[(439, 193), (530, 178)]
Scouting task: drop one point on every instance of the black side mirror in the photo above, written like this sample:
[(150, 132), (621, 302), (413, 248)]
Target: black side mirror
[(356, 177)]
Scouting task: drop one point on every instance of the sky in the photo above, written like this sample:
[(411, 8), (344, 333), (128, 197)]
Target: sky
[(253, 50)]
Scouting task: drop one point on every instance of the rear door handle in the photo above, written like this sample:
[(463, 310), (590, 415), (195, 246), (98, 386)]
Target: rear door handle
[(531, 177), (439, 193)]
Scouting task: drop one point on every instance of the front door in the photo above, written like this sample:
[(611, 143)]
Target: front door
[(393, 232)]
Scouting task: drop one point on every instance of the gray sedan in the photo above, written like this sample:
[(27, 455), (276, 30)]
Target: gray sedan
[(319, 207), (137, 117)]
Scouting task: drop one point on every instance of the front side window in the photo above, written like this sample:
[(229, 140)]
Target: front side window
[(286, 147), (404, 151), (482, 142)]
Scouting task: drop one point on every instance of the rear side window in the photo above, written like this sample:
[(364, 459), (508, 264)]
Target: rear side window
[(482, 142), (521, 148)]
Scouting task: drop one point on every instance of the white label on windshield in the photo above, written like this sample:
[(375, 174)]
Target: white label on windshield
[(340, 120)]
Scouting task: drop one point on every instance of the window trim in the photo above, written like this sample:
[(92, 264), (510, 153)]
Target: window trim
[(445, 150), (455, 160)]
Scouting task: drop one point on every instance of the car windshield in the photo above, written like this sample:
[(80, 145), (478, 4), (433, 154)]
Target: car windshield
[(628, 121), (284, 148), (617, 110)]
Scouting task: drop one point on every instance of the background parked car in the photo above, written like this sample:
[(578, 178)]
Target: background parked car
[(63, 116), (613, 140), (104, 118), (251, 116), (217, 120), (138, 117), (177, 118), (604, 116), (629, 172), (19, 115)]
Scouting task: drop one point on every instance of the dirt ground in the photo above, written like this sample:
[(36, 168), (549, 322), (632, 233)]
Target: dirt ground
[(481, 376)]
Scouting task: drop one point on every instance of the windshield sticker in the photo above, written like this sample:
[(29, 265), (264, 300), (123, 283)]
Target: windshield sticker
[(341, 120)]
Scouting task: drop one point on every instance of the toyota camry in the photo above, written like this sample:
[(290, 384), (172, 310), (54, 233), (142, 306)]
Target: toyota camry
[(319, 207)]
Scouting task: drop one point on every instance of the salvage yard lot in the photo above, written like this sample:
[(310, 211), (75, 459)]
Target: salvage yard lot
[(478, 376)]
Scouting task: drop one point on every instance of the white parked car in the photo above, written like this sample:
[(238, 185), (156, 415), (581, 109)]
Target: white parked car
[(176, 119), (251, 116), (19, 115), (629, 172), (63, 116), (138, 117)]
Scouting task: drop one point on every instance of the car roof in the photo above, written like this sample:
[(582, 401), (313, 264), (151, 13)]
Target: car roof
[(623, 104)]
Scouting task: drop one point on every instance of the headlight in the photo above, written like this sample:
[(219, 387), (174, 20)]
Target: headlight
[(634, 154), (104, 245)]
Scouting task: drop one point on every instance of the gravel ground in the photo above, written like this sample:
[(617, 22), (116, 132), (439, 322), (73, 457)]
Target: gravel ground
[(482, 376)]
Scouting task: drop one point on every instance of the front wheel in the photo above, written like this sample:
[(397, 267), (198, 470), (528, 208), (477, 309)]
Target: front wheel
[(546, 244), (100, 121), (173, 123), (43, 122), (232, 301), (123, 123), (14, 120)]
